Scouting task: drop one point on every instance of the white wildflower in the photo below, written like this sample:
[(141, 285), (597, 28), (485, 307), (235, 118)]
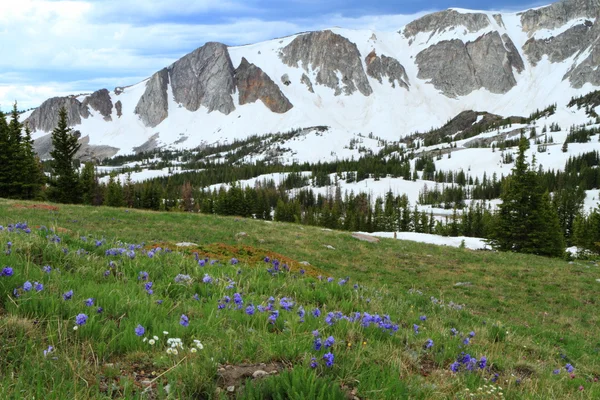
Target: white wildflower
[(151, 342)]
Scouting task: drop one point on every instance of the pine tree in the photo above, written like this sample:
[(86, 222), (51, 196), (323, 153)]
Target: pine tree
[(65, 185), (15, 160), (33, 173), (526, 221), (5, 158), (88, 183)]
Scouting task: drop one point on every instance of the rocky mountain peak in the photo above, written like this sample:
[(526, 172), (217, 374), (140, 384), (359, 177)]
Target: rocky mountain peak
[(330, 55), (557, 14), (439, 21), (253, 84)]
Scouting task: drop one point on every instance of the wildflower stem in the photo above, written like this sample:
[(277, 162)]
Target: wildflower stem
[(173, 367)]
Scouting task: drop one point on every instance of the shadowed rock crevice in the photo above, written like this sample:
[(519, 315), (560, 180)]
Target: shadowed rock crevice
[(253, 84), (332, 56)]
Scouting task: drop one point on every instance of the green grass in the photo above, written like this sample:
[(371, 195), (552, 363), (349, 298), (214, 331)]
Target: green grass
[(530, 315)]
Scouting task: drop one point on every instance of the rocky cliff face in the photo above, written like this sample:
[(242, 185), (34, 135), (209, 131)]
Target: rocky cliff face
[(45, 117), (204, 78), (329, 54), (101, 102), (557, 14), (559, 48), (386, 67), (585, 70), (457, 68), (440, 21), (253, 84), (153, 106)]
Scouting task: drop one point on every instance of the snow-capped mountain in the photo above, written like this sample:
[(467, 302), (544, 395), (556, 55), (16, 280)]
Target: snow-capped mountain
[(390, 84)]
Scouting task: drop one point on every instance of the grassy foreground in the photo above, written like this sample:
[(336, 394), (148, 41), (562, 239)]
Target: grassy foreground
[(401, 319)]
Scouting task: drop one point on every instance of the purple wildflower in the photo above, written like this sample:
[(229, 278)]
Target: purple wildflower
[(7, 271), (143, 276), (38, 287), (68, 295), (89, 302), (482, 362), (234, 261), (49, 350), (139, 330), (328, 359), (184, 320), (556, 371), (81, 319), (273, 316), (466, 341), (416, 328), (316, 313), (99, 310), (27, 286), (569, 368), (250, 310), (330, 341), (317, 344), (207, 279), (429, 344), (455, 366), (472, 334), (423, 318), (313, 363), (316, 333), (453, 332), (47, 269)]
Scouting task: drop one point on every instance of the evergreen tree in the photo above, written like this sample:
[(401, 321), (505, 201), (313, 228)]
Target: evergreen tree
[(15, 160), (5, 158), (33, 173), (88, 183), (65, 183), (525, 221)]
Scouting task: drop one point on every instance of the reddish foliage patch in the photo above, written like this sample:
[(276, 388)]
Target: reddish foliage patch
[(37, 207), (244, 253)]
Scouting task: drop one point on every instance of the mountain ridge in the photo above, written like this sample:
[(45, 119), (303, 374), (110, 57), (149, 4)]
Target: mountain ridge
[(434, 68)]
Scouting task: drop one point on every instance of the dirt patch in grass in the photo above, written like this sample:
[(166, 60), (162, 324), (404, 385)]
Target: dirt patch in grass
[(36, 207), (235, 375), (243, 253)]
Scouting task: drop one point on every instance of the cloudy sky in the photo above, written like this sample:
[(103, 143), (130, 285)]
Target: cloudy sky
[(58, 47)]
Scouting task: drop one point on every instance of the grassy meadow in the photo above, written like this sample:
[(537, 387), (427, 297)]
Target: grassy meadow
[(102, 303)]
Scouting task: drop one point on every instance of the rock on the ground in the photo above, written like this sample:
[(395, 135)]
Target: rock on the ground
[(365, 238)]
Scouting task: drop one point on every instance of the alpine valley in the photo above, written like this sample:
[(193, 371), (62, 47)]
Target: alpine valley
[(451, 92)]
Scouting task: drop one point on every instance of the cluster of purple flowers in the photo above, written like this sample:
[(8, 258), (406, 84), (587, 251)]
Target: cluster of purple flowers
[(18, 227), (7, 271), (465, 362)]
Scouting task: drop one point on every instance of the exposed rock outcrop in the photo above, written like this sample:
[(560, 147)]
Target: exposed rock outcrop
[(557, 14), (586, 70), (306, 80), (43, 147), (381, 67), (153, 106), (119, 108), (148, 145), (253, 84), (331, 55), (204, 78), (285, 79), (442, 20), (558, 48), (45, 117), (457, 69), (101, 102)]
